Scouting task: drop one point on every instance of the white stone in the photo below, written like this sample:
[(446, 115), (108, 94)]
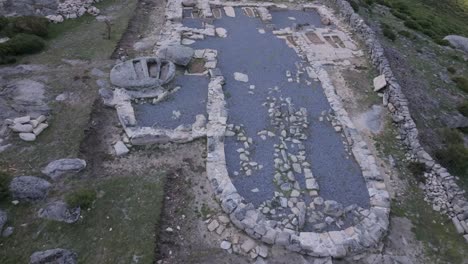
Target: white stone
[(379, 83), (226, 245), (221, 32), (230, 12), (120, 148), (38, 130), (241, 77), (27, 136), (22, 120)]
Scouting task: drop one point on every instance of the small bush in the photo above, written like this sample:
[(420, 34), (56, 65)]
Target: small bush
[(413, 25), (4, 185), (451, 70), (83, 198), (462, 83), (455, 154), (442, 42), (3, 22), (354, 5), (30, 25), (463, 109), (417, 169), (399, 15), (22, 44), (387, 32), (406, 34)]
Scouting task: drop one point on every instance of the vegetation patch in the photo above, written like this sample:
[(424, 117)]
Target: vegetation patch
[(4, 183), (462, 83), (463, 109), (83, 198), (121, 225), (388, 32), (454, 155)]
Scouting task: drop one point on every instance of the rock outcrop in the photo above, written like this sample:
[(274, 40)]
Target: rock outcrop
[(29, 188)]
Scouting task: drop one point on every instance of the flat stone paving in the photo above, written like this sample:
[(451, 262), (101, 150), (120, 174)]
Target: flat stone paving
[(267, 61), (189, 101)]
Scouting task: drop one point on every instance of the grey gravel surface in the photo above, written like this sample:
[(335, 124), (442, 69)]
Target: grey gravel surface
[(190, 101), (265, 59)]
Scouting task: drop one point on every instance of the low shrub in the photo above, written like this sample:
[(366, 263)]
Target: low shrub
[(354, 5), (442, 42), (462, 83), (387, 32), (417, 169), (83, 198), (463, 109), (3, 22), (406, 34), (30, 25), (454, 155), (22, 44), (4, 183), (451, 70), (413, 25)]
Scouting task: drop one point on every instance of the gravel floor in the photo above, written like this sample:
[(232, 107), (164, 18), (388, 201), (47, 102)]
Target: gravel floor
[(190, 101), (265, 59)]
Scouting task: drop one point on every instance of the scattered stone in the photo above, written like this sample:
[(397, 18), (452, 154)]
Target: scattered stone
[(379, 83), (20, 128), (59, 167), (59, 211), (333, 208), (248, 245), (120, 149), (27, 136), (178, 54), (29, 188), (189, 3), (213, 225), (8, 231), (221, 32), (226, 245), (241, 77), (53, 256), (230, 12), (40, 127), (3, 219), (458, 42), (255, 190)]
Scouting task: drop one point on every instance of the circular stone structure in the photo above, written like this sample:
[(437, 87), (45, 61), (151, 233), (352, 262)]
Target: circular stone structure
[(144, 72)]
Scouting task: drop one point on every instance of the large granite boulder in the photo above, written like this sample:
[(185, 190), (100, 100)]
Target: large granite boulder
[(53, 256), (59, 211), (29, 188), (179, 54), (144, 72), (458, 42), (57, 168)]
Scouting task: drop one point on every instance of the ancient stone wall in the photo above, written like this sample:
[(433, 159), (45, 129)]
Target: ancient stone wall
[(441, 188)]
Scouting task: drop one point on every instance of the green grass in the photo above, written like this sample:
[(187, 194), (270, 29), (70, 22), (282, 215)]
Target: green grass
[(120, 225), (85, 38), (436, 232), (434, 18)]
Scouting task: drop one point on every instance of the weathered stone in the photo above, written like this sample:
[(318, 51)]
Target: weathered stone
[(27, 136), (248, 245), (40, 127), (226, 245), (146, 72), (379, 83), (59, 211), (230, 12), (20, 128), (241, 77), (333, 208), (120, 149), (53, 256), (458, 42), (213, 225), (283, 238), (3, 219), (8, 231), (59, 167), (29, 188), (178, 54)]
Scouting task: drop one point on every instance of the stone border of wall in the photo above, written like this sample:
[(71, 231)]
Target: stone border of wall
[(442, 190)]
